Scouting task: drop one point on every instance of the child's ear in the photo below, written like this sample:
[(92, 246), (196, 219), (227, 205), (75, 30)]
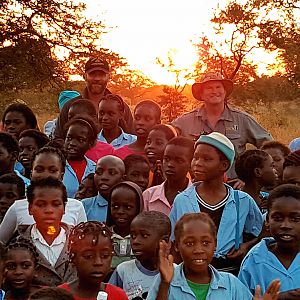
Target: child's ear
[(257, 172), (225, 165), (30, 208), (13, 156), (124, 177), (165, 238), (84, 76)]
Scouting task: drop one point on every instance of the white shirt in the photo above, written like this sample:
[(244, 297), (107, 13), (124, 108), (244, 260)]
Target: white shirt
[(51, 252), (18, 214)]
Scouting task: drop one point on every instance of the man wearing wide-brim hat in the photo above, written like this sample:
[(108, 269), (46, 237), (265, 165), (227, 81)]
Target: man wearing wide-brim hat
[(215, 115)]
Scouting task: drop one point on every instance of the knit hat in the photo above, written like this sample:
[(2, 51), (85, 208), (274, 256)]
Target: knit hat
[(65, 96), (219, 141)]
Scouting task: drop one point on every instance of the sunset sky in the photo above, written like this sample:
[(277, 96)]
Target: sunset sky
[(143, 30)]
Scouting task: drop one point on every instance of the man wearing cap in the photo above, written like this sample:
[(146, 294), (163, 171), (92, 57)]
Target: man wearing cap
[(96, 78), (216, 115)]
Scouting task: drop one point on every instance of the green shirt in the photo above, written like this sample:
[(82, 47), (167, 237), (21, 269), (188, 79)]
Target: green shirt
[(200, 290)]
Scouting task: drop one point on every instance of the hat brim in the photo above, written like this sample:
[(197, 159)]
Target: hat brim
[(97, 69), (197, 87)]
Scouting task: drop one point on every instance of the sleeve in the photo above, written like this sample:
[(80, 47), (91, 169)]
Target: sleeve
[(254, 220), (240, 290), (173, 217), (153, 291), (245, 275), (146, 198), (8, 225), (81, 214), (115, 279)]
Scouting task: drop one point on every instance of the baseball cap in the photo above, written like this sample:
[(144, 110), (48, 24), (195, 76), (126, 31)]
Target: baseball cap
[(96, 63)]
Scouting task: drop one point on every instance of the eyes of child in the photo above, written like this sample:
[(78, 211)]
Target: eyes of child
[(192, 243), (91, 256), (144, 235), (279, 218), (12, 266)]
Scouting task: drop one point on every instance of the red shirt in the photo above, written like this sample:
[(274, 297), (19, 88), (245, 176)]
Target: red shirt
[(125, 151), (114, 292), (78, 167), (99, 150)]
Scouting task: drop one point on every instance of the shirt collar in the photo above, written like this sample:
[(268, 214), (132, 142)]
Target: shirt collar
[(36, 235), (159, 193), (226, 115), (118, 140), (100, 200)]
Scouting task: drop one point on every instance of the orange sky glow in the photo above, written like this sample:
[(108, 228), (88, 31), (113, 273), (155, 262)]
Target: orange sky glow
[(142, 31)]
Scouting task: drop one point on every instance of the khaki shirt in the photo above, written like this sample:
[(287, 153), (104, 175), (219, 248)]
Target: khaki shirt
[(238, 126)]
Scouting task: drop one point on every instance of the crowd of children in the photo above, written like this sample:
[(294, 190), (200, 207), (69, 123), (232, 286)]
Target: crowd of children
[(107, 213)]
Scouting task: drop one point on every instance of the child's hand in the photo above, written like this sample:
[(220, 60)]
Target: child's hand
[(238, 254), (166, 267), (271, 293)]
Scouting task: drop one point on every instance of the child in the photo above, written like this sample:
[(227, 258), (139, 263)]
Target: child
[(109, 171), (256, 169), (16, 118), (177, 159), (87, 188), (2, 252), (291, 168), (48, 162), (137, 170), (195, 277), (126, 202), (235, 213), (147, 113), (47, 199), (91, 252), (85, 109), (30, 141), (12, 187), (50, 293), (155, 145), (9, 149), (136, 276), (20, 261), (110, 115), (278, 151), (80, 135), (278, 256)]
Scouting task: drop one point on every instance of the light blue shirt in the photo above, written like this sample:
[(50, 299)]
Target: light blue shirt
[(95, 208), (122, 140), (2, 294), (19, 167), (250, 217), (70, 179), (222, 286), (26, 180), (261, 266)]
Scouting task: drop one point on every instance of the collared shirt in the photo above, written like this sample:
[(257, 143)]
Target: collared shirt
[(70, 178), (122, 140), (50, 252), (250, 220), (18, 214), (261, 266), (222, 286), (155, 199), (238, 126), (26, 180), (95, 208), (2, 294)]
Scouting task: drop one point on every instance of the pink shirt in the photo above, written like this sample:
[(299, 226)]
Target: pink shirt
[(155, 199), (99, 150), (125, 151)]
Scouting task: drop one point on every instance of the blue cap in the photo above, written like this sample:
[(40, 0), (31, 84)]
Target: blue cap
[(65, 96), (295, 144)]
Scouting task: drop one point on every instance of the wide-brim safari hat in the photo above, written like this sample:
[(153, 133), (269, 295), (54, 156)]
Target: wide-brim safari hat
[(211, 76)]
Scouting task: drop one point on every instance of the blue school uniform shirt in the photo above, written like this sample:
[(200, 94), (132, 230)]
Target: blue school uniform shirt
[(70, 179), (250, 217), (26, 180), (122, 140), (2, 294), (261, 266), (95, 208), (222, 286)]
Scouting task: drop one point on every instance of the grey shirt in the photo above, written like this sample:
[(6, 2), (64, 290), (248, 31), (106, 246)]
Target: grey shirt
[(238, 126)]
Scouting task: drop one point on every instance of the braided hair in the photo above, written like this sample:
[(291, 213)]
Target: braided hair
[(84, 229)]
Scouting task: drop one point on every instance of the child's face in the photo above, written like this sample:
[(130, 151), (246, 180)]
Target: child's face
[(6, 160), (19, 269), (139, 174), (144, 119), (8, 195), (124, 206), (207, 164), (93, 263), (284, 222), (15, 123), (176, 162), (155, 145), (107, 174), (144, 240), (47, 165), (86, 189), (28, 147), (278, 159), (109, 114), (291, 174), (47, 207), (77, 142), (196, 246), (269, 174)]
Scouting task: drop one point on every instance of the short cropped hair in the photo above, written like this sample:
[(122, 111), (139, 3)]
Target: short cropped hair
[(116, 98), (40, 138), (9, 142), (86, 105), (277, 145), (132, 159), (183, 142), (165, 129), (46, 183), (13, 178), (48, 293), (293, 159), (152, 104)]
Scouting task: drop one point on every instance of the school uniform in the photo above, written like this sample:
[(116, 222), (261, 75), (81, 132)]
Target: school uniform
[(95, 208), (122, 140), (70, 179), (25, 180), (49, 273), (222, 286), (2, 294), (232, 227), (261, 266)]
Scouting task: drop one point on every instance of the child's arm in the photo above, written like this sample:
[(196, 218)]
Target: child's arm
[(290, 295), (240, 253), (271, 293)]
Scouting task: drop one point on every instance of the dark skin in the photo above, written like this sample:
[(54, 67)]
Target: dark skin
[(7, 160)]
